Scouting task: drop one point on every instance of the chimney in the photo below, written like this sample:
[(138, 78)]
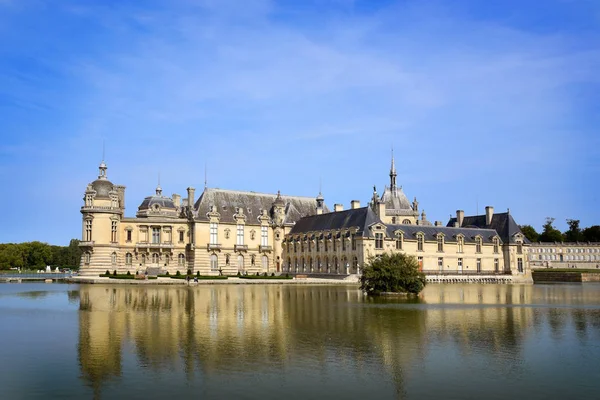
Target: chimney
[(489, 213), (354, 204), (460, 216), (319, 210), (338, 207), (191, 192), (177, 200), (456, 224), (381, 209), (438, 223)]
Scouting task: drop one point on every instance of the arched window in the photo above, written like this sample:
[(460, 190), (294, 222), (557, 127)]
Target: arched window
[(154, 258), (355, 265), (265, 262), (399, 240), (167, 259), (336, 265), (113, 258), (289, 264), (253, 260), (406, 222), (302, 264), (128, 259), (214, 262), (240, 262), (181, 259)]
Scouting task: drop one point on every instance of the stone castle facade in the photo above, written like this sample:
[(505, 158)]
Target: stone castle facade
[(227, 231)]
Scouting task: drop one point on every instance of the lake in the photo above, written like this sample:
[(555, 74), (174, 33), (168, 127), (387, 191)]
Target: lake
[(299, 342)]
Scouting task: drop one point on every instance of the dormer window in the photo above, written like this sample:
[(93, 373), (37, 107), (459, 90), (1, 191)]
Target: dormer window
[(478, 244), (460, 242), (440, 243), (496, 245), (420, 240)]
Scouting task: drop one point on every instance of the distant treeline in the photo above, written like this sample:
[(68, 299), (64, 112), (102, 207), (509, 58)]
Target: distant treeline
[(574, 234), (37, 255)]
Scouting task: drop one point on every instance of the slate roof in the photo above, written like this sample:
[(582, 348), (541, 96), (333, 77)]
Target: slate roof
[(162, 201), (503, 223), (450, 234), (103, 187), (228, 201), (396, 200), (360, 218)]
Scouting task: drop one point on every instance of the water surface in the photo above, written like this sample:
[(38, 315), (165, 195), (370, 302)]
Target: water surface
[(299, 342)]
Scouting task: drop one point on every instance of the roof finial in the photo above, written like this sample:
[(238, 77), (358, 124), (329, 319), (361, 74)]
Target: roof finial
[(158, 188), (102, 168), (393, 173)]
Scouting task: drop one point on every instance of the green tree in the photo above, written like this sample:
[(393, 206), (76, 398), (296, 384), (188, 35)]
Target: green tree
[(530, 233), (392, 273), (550, 233), (574, 233), (592, 233)]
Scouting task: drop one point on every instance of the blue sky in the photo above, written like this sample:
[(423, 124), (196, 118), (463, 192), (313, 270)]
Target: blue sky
[(485, 103)]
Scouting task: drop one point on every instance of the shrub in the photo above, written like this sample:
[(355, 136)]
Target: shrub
[(272, 273), (265, 274), (257, 273), (197, 273), (397, 273), (107, 273), (189, 271), (115, 272), (287, 275), (177, 273), (239, 273), (128, 273), (167, 273)]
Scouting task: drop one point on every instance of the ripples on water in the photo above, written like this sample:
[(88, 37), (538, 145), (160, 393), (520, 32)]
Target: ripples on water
[(252, 341)]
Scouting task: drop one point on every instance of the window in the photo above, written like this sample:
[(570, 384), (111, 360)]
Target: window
[(353, 241), (343, 238), (460, 264), (143, 259), (318, 244), (420, 260), (214, 262), (496, 245), (240, 262), (88, 230), (86, 258), (309, 245), (129, 235), (520, 248), (478, 245), (440, 243), (181, 236), (227, 259), (252, 260), (181, 260), (143, 235), (479, 265), (496, 265), (295, 247), (265, 263), (379, 240), (214, 230), (240, 234), (406, 222), (420, 242), (113, 231), (520, 264), (460, 243), (334, 244), (167, 259), (326, 244), (154, 258), (168, 238), (155, 235), (128, 259), (302, 245), (441, 263), (264, 236)]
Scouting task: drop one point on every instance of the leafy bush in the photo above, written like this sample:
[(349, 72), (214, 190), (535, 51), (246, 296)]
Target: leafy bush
[(397, 273), (167, 273), (264, 277), (177, 273), (115, 272), (197, 273), (239, 273), (189, 271), (107, 273), (272, 273), (128, 273), (287, 275)]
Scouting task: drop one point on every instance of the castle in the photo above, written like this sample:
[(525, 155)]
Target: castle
[(228, 231)]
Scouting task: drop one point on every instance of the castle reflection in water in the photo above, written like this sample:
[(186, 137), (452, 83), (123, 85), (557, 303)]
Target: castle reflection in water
[(219, 329)]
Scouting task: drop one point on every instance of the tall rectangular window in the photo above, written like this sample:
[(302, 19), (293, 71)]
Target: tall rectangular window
[(113, 231), (343, 242), (459, 242), (496, 265), (318, 241), (181, 236), (520, 264), (441, 263), (240, 234), (214, 233), (326, 244), (478, 245), (379, 240), (399, 243), (129, 236), (479, 265), (264, 236), (334, 244), (354, 241), (420, 242), (155, 235), (88, 230), (440, 243), (460, 264)]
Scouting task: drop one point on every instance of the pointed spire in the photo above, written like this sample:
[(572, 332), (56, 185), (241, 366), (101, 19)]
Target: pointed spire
[(393, 173), (102, 168)]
